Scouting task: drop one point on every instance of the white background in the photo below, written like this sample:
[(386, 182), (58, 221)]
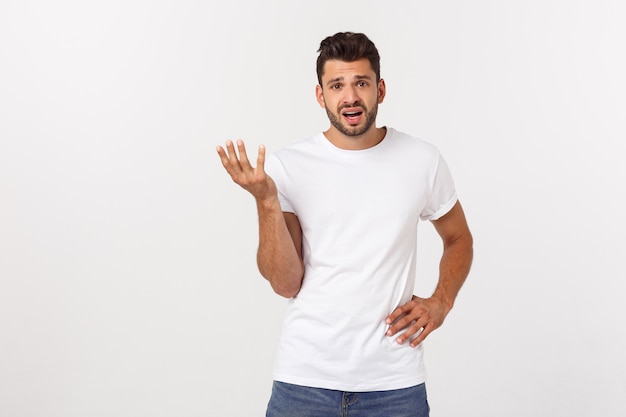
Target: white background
[(128, 285)]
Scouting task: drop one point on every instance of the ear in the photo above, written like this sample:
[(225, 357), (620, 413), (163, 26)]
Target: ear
[(319, 95), (382, 89)]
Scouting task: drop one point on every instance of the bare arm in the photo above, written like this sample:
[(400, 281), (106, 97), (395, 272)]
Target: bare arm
[(279, 256), (427, 314), (280, 248)]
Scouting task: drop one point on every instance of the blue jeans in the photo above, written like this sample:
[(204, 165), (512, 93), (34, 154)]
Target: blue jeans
[(289, 400)]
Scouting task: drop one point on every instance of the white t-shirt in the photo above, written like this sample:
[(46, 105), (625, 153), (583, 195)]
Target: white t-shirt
[(359, 212)]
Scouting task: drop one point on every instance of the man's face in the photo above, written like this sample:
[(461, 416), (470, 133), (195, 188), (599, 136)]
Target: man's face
[(350, 95)]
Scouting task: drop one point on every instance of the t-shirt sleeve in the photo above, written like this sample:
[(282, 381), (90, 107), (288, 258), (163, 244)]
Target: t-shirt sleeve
[(443, 194), (275, 169)]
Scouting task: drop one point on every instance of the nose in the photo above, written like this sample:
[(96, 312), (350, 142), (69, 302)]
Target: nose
[(351, 95)]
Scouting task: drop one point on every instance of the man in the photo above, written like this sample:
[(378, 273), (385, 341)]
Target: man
[(338, 215)]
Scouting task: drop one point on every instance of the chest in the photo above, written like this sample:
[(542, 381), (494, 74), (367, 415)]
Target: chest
[(359, 193)]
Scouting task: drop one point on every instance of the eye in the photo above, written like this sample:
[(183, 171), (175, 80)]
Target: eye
[(362, 84), (335, 86)]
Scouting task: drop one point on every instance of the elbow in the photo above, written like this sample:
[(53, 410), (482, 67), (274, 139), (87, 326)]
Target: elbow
[(286, 291), (462, 240), (287, 286), (469, 242)]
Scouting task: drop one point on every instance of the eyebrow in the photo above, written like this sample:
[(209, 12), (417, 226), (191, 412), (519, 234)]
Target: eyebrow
[(356, 77)]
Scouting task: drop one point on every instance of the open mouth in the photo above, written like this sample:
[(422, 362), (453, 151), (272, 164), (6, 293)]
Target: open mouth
[(352, 116)]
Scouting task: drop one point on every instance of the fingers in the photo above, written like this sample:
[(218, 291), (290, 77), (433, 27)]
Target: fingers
[(260, 160), (400, 318), (395, 314), (245, 162), (417, 319), (229, 158), (243, 156), (223, 156), (403, 309), (420, 328), (237, 163), (229, 155), (410, 324), (420, 338)]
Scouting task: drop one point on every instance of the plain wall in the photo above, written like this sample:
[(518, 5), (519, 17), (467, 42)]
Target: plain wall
[(128, 284)]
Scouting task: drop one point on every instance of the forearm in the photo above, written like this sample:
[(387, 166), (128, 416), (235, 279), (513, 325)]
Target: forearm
[(420, 316), (278, 259), (454, 267)]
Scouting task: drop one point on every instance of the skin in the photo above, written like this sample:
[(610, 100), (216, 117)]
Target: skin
[(428, 314), (279, 256), (351, 87), (350, 94)]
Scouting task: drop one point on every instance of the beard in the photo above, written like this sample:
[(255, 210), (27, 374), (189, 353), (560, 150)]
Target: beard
[(337, 122)]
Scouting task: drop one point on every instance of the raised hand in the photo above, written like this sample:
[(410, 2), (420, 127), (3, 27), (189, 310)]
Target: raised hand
[(252, 179)]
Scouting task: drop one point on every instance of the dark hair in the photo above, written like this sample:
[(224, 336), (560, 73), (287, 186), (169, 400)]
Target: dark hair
[(347, 47)]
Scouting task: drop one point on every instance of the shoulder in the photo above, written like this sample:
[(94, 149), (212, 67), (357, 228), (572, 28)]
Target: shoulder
[(299, 147), (292, 155), (412, 144)]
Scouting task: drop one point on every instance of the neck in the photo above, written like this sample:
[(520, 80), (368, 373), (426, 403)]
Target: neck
[(369, 139)]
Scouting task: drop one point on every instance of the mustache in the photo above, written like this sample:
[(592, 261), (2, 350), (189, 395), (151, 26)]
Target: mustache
[(349, 105)]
